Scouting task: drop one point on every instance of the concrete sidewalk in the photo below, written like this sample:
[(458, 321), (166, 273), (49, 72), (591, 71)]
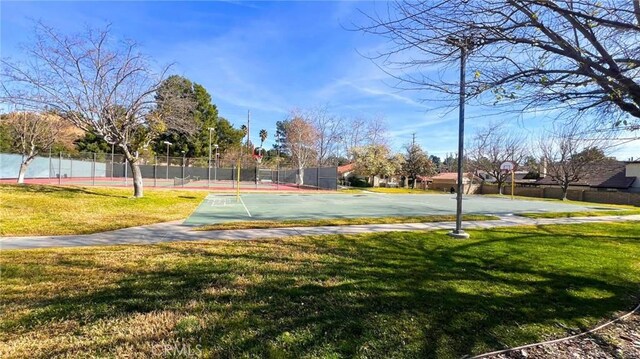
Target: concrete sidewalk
[(175, 231)]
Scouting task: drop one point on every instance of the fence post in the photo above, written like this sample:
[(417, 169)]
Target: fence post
[(70, 167), (60, 169), (155, 171), (318, 178), (233, 176), (112, 159), (50, 164), (93, 169)]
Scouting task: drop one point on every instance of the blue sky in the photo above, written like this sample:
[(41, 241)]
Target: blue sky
[(267, 57)]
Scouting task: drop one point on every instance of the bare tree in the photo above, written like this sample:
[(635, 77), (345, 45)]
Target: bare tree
[(31, 134), (574, 54), (300, 138), (494, 145), (98, 84), (570, 153), (377, 131), (330, 132), (355, 134), (360, 132)]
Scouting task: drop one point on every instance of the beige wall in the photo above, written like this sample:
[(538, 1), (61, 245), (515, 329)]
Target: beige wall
[(573, 194), (633, 170), (445, 186)]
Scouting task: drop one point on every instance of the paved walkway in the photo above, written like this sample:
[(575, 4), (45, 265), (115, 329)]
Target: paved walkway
[(175, 231)]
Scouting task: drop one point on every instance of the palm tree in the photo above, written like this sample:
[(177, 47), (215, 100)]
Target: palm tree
[(263, 136), (244, 130)]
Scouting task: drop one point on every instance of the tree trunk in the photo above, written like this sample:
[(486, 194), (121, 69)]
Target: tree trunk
[(23, 169), (138, 190), (300, 176), (564, 192), (499, 187)]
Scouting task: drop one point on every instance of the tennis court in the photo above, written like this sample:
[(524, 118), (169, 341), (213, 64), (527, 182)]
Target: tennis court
[(220, 208)]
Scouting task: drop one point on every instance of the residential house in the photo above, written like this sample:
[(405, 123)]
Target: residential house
[(605, 176), (446, 180), (632, 170)]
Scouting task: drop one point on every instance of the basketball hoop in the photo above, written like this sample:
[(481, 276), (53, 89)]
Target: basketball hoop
[(258, 158), (257, 155), (507, 167)]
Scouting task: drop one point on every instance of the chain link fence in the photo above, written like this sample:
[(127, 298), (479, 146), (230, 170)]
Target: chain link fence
[(166, 171)]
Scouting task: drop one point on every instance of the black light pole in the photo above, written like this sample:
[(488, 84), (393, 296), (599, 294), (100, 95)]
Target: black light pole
[(465, 45)]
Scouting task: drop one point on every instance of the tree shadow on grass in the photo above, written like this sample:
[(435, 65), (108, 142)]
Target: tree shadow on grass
[(58, 190), (344, 296)]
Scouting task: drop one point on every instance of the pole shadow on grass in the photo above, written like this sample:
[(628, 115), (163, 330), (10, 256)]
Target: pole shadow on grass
[(345, 296)]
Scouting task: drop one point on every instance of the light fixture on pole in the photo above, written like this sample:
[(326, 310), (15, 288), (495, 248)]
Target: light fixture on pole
[(465, 44), (168, 144), (211, 129)]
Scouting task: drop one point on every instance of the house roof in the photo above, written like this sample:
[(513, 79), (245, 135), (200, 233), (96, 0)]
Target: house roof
[(346, 168), (608, 174), (451, 176), (446, 176), (518, 175)]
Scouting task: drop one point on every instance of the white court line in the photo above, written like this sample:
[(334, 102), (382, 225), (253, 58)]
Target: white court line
[(245, 207)]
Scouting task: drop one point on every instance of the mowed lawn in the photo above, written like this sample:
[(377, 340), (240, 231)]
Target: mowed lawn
[(50, 210), (381, 295)]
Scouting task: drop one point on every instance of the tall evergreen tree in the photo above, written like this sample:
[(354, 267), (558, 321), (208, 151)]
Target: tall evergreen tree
[(203, 115)]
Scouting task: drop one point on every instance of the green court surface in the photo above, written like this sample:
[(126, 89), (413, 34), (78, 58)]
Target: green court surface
[(221, 208)]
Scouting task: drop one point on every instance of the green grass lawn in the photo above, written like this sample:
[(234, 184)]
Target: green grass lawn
[(342, 221), (51, 210), (380, 295)]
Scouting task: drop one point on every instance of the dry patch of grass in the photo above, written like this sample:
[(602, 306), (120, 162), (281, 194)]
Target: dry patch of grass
[(410, 295), (399, 190), (618, 212), (49, 210), (602, 208), (341, 222)]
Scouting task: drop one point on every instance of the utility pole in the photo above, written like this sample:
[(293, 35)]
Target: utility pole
[(248, 127)]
